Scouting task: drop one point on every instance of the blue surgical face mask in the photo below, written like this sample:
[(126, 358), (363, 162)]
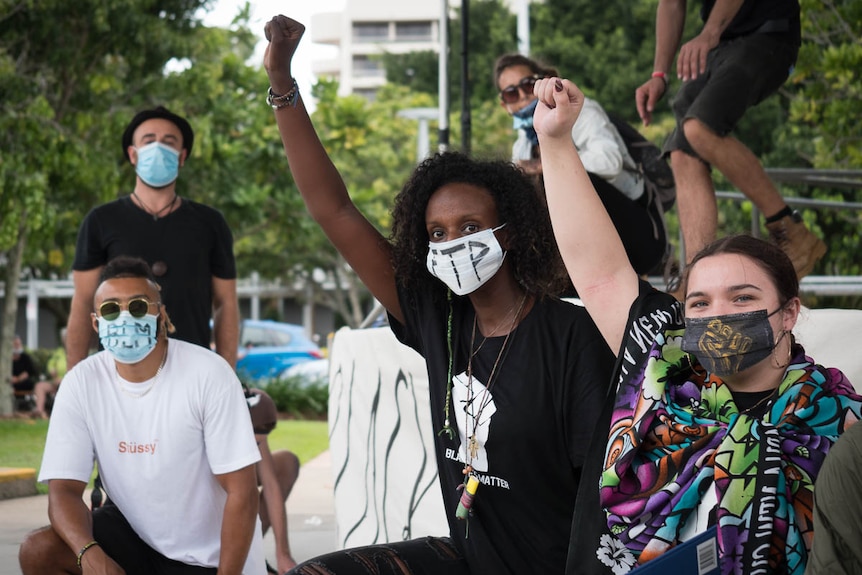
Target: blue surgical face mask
[(158, 165), (523, 120), (129, 339)]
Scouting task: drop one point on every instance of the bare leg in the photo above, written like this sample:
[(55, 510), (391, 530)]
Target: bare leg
[(738, 164), (44, 553), (42, 389), (695, 201), (287, 470), (744, 170)]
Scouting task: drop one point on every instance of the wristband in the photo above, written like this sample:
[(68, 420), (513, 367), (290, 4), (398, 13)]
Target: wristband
[(84, 550), (277, 102), (661, 75)]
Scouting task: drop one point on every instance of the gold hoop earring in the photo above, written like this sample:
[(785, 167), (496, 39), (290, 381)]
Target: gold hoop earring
[(789, 352)]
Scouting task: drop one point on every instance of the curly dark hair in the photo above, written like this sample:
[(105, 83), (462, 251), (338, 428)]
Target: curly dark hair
[(127, 267), (532, 253)]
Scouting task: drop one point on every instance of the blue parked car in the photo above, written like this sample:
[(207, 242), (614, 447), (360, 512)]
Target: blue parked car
[(267, 348)]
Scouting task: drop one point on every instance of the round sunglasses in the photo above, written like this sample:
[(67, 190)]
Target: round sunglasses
[(510, 95), (138, 308)]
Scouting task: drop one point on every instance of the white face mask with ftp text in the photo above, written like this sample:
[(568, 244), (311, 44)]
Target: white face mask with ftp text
[(464, 264)]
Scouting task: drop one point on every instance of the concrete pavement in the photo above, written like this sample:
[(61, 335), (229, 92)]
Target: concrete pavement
[(310, 517)]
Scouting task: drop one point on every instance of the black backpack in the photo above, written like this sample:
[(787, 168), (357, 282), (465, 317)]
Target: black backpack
[(648, 157)]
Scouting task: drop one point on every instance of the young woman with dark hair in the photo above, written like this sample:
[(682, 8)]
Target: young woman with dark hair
[(619, 182), (516, 376), (719, 419)]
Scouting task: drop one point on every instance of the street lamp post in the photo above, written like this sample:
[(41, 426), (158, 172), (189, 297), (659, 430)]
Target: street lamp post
[(423, 115)]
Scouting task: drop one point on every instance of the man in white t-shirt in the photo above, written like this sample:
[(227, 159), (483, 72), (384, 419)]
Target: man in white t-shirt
[(167, 423)]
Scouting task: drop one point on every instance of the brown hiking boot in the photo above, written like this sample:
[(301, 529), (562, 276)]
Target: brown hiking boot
[(802, 247)]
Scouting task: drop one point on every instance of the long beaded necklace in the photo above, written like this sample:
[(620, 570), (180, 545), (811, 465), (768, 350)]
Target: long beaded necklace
[(494, 331), (153, 381), (471, 445), (471, 449)]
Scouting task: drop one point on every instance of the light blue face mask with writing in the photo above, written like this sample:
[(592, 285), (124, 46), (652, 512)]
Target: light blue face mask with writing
[(158, 165), (129, 339)]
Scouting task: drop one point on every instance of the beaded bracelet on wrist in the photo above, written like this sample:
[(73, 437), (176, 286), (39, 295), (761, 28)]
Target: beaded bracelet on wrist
[(84, 550), (281, 101)]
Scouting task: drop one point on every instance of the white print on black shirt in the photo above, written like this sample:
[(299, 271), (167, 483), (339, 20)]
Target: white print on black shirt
[(473, 408), (643, 333), (484, 479)]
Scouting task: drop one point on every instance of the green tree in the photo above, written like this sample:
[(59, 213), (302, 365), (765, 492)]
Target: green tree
[(64, 66), (828, 99), (491, 32), (825, 95), (608, 48), (373, 148)]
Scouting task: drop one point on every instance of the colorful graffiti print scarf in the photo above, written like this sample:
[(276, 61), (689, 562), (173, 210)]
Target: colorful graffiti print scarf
[(676, 433)]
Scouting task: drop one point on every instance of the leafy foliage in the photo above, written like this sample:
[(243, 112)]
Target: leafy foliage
[(292, 395), (829, 99), (72, 74), (608, 47)]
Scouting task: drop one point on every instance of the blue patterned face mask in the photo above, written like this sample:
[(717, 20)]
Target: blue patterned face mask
[(129, 339), (523, 120), (158, 165)]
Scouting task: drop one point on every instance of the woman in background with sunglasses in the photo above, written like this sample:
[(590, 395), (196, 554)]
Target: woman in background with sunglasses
[(603, 152)]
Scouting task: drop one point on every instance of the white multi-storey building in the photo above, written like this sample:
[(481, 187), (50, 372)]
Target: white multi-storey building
[(367, 28)]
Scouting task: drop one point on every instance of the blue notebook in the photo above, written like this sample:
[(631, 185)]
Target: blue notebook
[(697, 556)]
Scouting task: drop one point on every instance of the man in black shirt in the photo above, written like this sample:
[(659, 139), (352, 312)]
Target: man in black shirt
[(188, 245), (744, 53)]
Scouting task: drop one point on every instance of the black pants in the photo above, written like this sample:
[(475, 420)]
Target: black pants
[(122, 544), (427, 556), (641, 231)]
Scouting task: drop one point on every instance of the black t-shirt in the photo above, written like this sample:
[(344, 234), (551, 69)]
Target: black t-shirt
[(596, 551), (21, 364), (753, 15), (543, 406), (194, 242)]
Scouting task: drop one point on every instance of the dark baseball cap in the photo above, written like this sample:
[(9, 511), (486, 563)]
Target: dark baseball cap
[(160, 112)]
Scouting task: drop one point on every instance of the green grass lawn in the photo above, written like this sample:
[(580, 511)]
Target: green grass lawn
[(22, 441)]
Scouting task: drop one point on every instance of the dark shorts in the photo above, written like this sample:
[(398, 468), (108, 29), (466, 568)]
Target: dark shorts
[(122, 544), (740, 73), (426, 556), (28, 385)]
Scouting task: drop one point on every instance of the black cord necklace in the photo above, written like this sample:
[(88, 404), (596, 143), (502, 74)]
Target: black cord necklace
[(158, 213)]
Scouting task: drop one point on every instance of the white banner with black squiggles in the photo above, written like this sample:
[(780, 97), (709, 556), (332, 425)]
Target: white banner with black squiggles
[(381, 442)]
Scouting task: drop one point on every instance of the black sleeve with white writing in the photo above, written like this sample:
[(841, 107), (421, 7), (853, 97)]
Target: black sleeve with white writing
[(593, 550)]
